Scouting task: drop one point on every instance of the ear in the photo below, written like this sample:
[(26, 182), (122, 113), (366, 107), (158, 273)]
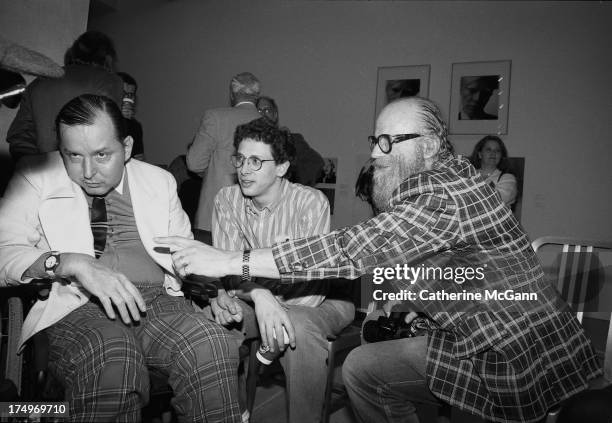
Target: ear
[(431, 147), (128, 143), (282, 169)]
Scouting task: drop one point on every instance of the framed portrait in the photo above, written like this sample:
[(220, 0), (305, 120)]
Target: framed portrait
[(479, 97), (400, 81)]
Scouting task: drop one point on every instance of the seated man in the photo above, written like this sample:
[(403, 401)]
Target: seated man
[(500, 357), (261, 209), (106, 264)]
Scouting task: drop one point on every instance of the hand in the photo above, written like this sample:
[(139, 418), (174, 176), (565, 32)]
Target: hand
[(272, 317), (225, 309), (194, 257), (109, 286)]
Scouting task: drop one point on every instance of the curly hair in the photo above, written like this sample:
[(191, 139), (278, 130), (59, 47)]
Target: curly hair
[(477, 161), (261, 129)]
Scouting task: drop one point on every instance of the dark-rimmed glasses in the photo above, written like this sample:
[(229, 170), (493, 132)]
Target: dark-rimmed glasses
[(254, 162), (385, 141)]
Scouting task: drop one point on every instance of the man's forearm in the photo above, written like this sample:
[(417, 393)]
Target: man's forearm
[(261, 264)]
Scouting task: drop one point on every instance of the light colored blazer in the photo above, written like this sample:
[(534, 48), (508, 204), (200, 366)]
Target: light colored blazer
[(209, 154), (43, 210)]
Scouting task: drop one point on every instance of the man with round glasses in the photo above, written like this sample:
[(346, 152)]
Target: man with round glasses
[(262, 209), (499, 358)]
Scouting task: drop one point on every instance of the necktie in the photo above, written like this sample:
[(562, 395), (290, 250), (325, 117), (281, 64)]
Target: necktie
[(99, 224)]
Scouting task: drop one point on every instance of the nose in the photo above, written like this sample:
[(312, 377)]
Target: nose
[(376, 152), (89, 168), (245, 169)]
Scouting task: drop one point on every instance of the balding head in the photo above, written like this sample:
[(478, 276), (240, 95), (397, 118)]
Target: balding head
[(423, 143), (244, 87)]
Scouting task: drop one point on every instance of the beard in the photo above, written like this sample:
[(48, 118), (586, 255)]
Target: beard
[(390, 171)]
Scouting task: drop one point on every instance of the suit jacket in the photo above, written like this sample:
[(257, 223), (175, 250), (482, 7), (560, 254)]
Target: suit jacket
[(43, 210), (210, 153), (33, 129)]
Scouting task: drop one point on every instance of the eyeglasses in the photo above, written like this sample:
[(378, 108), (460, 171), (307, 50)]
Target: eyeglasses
[(254, 163), (385, 141)]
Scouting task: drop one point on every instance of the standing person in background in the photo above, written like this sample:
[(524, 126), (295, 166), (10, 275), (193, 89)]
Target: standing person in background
[(213, 145), (308, 162), (88, 69), (128, 110), (490, 159)]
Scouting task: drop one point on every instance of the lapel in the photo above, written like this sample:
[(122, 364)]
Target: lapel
[(151, 209), (64, 213)]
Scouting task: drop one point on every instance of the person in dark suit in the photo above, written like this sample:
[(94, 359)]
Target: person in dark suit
[(308, 163), (213, 145), (89, 68)]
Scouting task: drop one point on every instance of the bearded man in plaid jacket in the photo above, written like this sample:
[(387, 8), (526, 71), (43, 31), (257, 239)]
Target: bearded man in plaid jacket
[(503, 345)]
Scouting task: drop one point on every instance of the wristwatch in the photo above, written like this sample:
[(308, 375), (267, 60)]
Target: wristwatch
[(51, 263)]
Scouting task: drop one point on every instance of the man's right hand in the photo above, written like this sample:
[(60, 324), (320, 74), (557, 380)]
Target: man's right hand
[(272, 318), (225, 309), (109, 286)]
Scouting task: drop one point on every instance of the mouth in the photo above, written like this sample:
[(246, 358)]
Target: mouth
[(246, 183)]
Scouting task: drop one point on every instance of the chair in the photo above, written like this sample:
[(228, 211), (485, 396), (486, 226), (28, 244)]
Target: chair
[(583, 281), (338, 346)]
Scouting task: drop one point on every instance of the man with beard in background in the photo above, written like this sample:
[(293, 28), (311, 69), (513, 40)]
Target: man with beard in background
[(501, 359)]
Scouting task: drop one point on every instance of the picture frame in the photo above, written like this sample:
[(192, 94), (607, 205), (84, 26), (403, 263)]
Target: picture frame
[(479, 101), (400, 81)]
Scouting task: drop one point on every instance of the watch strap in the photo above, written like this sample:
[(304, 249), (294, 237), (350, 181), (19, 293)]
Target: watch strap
[(246, 269)]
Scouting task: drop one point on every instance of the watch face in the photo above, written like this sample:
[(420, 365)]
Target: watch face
[(50, 262)]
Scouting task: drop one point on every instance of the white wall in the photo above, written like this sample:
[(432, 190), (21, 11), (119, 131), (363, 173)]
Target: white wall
[(320, 59), (48, 26)]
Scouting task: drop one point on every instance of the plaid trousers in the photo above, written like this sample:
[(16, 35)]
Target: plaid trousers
[(103, 364)]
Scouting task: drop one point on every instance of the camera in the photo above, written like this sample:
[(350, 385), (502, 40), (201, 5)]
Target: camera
[(393, 327)]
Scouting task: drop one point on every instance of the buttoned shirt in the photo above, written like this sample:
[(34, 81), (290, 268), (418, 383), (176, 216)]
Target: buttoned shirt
[(297, 212), (505, 360)]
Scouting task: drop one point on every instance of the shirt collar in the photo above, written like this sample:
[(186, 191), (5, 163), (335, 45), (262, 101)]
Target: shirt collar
[(272, 207), (119, 187), (244, 102)]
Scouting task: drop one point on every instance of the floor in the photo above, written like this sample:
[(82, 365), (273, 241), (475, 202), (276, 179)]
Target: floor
[(270, 406)]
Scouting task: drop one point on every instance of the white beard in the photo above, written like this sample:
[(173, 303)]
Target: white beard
[(390, 171)]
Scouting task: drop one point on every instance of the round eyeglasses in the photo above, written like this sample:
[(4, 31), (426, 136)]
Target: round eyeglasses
[(385, 141), (254, 162)]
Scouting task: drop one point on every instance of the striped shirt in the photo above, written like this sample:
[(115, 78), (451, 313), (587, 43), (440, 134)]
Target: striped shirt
[(299, 211)]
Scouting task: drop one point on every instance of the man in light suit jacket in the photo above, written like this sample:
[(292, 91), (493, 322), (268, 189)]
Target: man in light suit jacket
[(209, 153), (106, 265)]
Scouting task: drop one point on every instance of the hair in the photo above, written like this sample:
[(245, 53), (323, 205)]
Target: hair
[(245, 86), (92, 48), (272, 104), (84, 109), (279, 139), (127, 79), (434, 125), (365, 184), (477, 162)]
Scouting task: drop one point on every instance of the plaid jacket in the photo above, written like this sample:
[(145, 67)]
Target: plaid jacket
[(501, 359)]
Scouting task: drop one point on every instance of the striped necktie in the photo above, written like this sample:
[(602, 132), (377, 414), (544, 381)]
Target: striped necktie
[(99, 224)]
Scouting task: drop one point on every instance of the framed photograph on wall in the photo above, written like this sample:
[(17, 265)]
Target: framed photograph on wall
[(400, 81), (479, 97)]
